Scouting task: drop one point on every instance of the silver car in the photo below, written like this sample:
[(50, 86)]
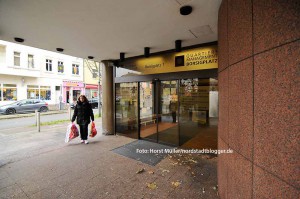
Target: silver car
[(27, 105)]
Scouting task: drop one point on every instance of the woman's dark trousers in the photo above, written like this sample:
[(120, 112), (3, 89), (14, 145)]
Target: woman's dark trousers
[(83, 131)]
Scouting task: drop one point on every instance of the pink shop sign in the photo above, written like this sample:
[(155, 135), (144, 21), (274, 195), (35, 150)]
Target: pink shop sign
[(73, 84)]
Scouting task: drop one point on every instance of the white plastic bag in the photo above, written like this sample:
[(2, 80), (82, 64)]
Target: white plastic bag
[(67, 139), (72, 132)]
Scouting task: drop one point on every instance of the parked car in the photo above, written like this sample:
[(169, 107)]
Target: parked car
[(22, 106), (92, 101)]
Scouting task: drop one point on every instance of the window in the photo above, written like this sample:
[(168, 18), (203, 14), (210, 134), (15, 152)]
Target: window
[(45, 93), (9, 92), (17, 57), (26, 102), (30, 61), (127, 109), (48, 65), (33, 92), (75, 69), (60, 67)]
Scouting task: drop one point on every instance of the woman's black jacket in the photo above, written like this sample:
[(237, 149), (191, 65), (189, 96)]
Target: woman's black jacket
[(83, 112)]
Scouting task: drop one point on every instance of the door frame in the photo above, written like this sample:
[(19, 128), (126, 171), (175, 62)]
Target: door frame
[(202, 74)]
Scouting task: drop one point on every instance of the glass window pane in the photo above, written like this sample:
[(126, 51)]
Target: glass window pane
[(30, 61), (32, 92), (10, 85), (32, 86), (9, 94), (75, 69), (60, 67), (45, 93), (168, 113), (148, 120), (45, 87), (17, 58), (127, 109), (48, 65), (198, 113)]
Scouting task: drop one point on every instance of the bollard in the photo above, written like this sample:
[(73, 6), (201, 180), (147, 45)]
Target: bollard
[(38, 121), (70, 113), (35, 117)]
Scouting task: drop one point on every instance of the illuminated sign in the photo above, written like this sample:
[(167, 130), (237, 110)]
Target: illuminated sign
[(193, 59)]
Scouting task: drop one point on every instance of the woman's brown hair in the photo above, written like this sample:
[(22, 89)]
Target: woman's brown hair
[(84, 98)]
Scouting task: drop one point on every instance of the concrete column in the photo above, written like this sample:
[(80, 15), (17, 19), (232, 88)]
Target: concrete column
[(107, 99)]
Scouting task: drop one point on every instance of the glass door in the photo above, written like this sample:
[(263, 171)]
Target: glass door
[(198, 113), (159, 111), (148, 118), (168, 113)]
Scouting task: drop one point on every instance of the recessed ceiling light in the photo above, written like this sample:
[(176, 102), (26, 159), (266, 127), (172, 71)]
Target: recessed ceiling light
[(186, 10), (90, 57), (17, 39), (60, 49)]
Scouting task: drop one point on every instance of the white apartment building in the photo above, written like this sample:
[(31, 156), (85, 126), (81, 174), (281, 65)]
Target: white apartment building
[(31, 73)]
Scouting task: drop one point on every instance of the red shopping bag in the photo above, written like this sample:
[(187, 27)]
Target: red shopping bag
[(93, 132), (74, 132)]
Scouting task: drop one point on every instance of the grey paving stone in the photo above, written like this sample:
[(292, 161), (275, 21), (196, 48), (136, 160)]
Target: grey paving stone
[(49, 168), (13, 191)]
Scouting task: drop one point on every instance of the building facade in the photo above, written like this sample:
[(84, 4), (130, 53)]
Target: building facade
[(31, 73), (92, 78), (170, 97)]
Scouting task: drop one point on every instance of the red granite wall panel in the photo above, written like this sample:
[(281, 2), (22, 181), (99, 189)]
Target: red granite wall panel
[(275, 22), (239, 30), (268, 186), (277, 113), (240, 102), (223, 105), (223, 41), (260, 95), (239, 176)]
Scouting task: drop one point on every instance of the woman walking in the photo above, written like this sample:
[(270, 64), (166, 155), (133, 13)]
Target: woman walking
[(84, 113)]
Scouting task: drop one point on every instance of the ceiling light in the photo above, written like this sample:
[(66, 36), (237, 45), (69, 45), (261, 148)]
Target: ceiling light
[(147, 51), (178, 45), (122, 57), (17, 39), (90, 57), (186, 10), (60, 49)]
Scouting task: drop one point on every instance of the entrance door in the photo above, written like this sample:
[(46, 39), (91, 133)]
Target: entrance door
[(159, 111), (148, 117), (168, 116)]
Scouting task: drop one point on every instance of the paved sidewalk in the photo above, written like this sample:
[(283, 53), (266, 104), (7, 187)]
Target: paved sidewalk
[(41, 165)]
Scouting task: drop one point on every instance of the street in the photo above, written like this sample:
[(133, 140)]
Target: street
[(6, 124)]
